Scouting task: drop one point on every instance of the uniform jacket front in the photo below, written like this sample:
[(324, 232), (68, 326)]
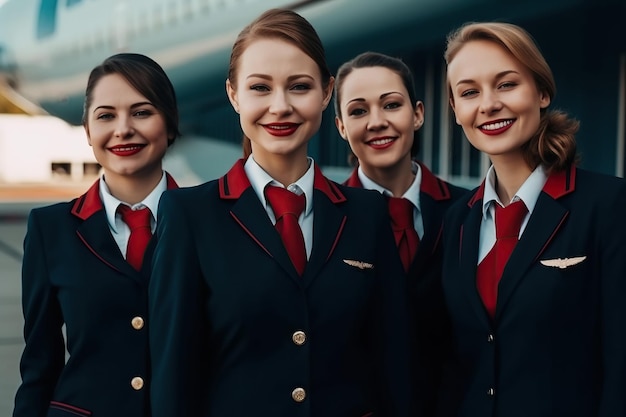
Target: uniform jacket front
[(75, 276), (424, 282), (557, 344), (237, 332)]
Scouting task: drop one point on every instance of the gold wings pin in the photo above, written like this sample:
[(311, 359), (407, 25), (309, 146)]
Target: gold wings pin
[(563, 263), (359, 264)]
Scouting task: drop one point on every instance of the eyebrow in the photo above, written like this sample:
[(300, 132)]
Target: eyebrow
[(290, 78), (135, 105), (498, 76), (382, 96)]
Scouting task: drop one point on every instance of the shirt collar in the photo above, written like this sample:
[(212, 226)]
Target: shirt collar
[(412, 194), (259, 178), (528, 192), (111, 203)]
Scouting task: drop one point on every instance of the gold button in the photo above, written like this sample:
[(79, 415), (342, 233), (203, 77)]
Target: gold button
[(137, 323), (299, 338), (298, 395), (137, 383), (490, 338), (490, 392)]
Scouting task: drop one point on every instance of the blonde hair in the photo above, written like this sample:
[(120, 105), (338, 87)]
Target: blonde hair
[(554, 143)]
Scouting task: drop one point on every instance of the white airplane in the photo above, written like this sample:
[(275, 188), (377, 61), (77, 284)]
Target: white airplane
[(48, 47)]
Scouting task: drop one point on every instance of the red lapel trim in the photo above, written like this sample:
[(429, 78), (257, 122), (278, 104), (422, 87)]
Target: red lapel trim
[(432, 185), (235, 182), (171, 183), (353, 180), (558, 184), (323, 184), (561, 183), (89, 203), (478, 195)]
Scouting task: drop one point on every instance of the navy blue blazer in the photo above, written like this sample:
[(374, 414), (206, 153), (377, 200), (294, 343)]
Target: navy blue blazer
[(73, 274), (236, 332), (424, 282), (557, 344)]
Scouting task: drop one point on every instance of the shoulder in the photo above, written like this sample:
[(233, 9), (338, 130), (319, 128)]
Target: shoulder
[(191, 193), (53, 211)]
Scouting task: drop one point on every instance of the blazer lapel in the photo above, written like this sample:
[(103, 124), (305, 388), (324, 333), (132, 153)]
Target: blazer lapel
[(328, 225), (543, 225), (250, 214), (94, 232), (468, 254), (434, 195)]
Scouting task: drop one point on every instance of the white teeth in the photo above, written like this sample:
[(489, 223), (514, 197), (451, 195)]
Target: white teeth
[(495, 126), (280, 127), (127, 148), (381, 141)]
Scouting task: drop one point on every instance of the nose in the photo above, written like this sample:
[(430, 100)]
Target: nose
[(376, 120), (124, 128), (280, 103), (490, 102)]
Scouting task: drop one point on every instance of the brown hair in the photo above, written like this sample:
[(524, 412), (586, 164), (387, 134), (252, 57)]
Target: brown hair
[(288, 26), (147, 77), (375, 59), (554, 143)]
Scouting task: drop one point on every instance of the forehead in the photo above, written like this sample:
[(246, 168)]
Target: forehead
[(371, 82), (482, 58), (275, 58), (113, 88)]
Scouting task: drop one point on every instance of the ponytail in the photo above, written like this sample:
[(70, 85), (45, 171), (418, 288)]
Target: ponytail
[(554, 144)]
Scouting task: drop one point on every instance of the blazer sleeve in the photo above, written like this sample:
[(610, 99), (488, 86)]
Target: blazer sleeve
[(43, 357), (613, 306), (176, 326)]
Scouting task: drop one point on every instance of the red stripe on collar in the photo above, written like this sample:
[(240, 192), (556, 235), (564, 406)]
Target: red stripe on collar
[(235, 182), (433, 186), (90, 202), (561, 183)]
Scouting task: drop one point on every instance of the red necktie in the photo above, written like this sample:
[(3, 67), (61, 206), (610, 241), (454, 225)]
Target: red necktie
[(401, 211), (508, 223), (287, 208), (138, 222)]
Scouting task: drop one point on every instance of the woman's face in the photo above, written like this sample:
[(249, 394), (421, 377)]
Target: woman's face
[(279, 96), (495, 98), (127, 133), (378, 118)]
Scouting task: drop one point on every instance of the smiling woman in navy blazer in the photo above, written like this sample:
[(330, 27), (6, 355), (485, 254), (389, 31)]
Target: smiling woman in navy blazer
[(378, 114), (74, 268), (538, 331), (237, 329)]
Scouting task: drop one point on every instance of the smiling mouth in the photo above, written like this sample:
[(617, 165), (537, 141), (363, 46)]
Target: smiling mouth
[(497, 125), (380, 142), (126, 150)]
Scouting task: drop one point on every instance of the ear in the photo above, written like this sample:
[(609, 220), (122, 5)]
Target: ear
[(328, 93), (86, 127), (232, 95), (544, 99), (452, 106), (418, 115), (341, 128)]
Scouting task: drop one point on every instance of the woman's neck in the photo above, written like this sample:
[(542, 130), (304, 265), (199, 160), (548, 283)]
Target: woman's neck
[(132, 189), (510, 176), (397, 178)]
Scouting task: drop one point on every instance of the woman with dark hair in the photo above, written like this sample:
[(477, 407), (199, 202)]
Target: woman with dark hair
[(535, 258), (86, 262), (378, 114), (274, 292)]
